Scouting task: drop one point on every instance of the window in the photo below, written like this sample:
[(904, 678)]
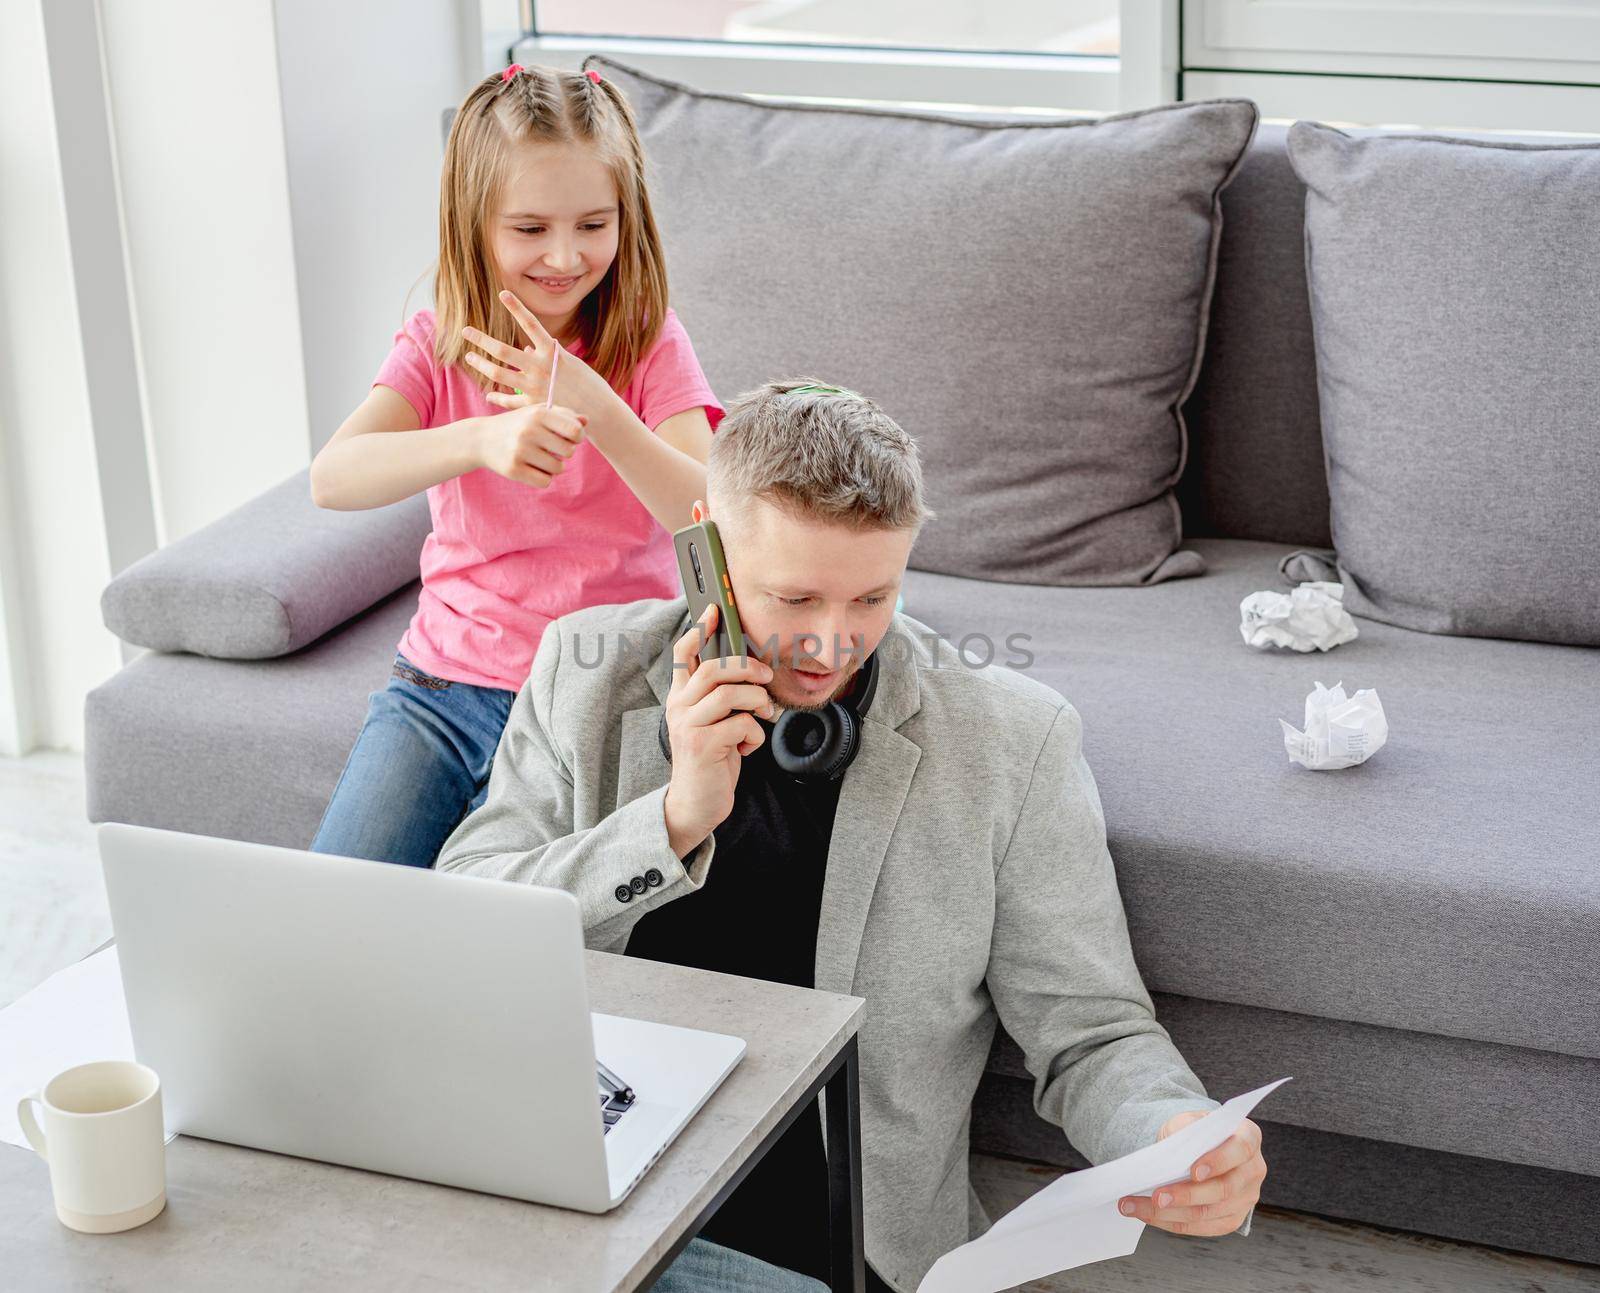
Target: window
[(1027, 55), (1484, 65), (1473, 64), (1004, 27)]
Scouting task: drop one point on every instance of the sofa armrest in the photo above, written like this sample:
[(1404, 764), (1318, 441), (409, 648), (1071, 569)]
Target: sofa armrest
[(268, 578)]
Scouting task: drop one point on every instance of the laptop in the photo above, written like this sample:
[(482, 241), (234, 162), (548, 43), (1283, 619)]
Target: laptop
[(385, 1017)]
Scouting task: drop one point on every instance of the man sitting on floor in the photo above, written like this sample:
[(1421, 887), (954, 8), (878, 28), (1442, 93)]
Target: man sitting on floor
[(955, 874)]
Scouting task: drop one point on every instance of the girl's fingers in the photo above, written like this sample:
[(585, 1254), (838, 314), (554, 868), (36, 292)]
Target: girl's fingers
[(502, 399), (568, 426), (504, 353), (505, 376), (545, 461), (530, 476), (526, 319), (557, 445)]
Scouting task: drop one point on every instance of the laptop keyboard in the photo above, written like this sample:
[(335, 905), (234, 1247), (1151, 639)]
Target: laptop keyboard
[(612, 1108)]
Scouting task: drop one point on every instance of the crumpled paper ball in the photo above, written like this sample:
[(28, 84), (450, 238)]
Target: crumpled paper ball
[(1311, 618), (1341, 731)]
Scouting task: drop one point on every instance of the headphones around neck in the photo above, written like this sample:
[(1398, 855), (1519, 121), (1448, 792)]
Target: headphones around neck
[(814, 745)]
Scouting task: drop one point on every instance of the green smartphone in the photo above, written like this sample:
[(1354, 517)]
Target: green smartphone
[(704, 572)]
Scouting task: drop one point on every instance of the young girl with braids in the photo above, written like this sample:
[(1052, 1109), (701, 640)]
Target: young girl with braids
[(552, 407)]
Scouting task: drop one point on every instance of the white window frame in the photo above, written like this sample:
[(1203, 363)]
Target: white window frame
[(1489, 65), (1486, 40), (1486, 107), (1144, 74), (1405, 62)]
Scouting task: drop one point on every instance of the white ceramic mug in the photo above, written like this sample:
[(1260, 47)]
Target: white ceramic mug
[(100, 1129)]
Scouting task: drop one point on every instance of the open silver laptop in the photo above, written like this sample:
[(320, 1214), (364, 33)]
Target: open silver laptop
[(400, 1020)]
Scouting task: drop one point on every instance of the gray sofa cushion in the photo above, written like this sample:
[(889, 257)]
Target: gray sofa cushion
[(1027, 297), (1447, 886), (1457, 333), (245, 750), (268, 578)]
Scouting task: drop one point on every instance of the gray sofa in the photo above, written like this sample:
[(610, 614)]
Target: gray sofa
[(1416, 940)]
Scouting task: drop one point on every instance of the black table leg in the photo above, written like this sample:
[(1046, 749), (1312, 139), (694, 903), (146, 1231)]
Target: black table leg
[(847, 1263), (847, 1259)]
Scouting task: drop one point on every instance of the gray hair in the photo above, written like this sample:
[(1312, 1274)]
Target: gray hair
[(820, 451)]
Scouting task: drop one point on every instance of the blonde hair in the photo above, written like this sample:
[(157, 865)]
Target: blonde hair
[(620, 319), (819, 451)]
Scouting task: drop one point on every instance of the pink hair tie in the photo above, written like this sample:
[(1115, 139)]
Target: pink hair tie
[(593, 76), (510, 72)]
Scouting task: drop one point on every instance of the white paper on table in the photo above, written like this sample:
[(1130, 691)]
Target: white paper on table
[(1074, 1220), (76, 1016)]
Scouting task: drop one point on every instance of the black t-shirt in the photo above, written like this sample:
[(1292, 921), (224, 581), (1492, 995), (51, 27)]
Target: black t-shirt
[(756, 915)]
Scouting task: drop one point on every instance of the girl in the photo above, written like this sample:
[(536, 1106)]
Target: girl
[(552, 407)]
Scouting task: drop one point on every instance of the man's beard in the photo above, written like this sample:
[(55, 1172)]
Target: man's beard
[(813, 704)]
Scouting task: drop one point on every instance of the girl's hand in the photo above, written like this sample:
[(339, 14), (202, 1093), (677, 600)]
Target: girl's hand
[(531, 443), (578, 386)]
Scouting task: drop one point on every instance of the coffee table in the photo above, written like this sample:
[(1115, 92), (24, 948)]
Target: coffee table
[(242, 1219)]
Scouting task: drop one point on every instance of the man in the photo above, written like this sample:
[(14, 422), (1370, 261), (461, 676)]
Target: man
[(956, 876)]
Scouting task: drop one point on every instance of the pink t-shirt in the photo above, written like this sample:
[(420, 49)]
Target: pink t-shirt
[(504, 558)]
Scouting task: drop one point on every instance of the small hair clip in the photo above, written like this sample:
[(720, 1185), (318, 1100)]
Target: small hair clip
[(510, 72), (593, 76)]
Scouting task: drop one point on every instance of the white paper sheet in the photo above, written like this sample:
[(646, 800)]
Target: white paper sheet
[(74, 1017), (1341, 731), (1074, 1220), (1311, 618)]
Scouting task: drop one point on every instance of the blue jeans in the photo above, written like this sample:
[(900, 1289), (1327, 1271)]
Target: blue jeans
[(420, 765), (705, 1267)]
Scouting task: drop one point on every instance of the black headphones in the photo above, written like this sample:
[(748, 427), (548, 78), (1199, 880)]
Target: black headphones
[(814, 745)]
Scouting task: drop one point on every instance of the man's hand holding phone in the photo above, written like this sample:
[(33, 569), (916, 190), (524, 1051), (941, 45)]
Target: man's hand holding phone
[(711, 725)]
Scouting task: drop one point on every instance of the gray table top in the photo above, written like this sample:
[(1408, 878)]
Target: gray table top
[(240, 1219)]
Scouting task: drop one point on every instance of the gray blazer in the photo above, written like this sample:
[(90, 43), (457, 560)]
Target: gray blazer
[(968, 882)]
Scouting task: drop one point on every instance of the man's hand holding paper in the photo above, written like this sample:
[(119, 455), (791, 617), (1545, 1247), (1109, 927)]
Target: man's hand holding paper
[(1077, 1219), (1223, 1185)]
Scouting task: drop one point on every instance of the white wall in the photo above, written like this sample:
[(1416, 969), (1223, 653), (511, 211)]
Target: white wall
[(363, 87), (276, 181), (200, 149), (53, 549), (280, 171)]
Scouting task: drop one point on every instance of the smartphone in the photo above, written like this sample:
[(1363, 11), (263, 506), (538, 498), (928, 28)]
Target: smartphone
[(704, 572)]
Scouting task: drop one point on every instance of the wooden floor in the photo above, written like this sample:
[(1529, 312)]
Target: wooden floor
[(52, 912)]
